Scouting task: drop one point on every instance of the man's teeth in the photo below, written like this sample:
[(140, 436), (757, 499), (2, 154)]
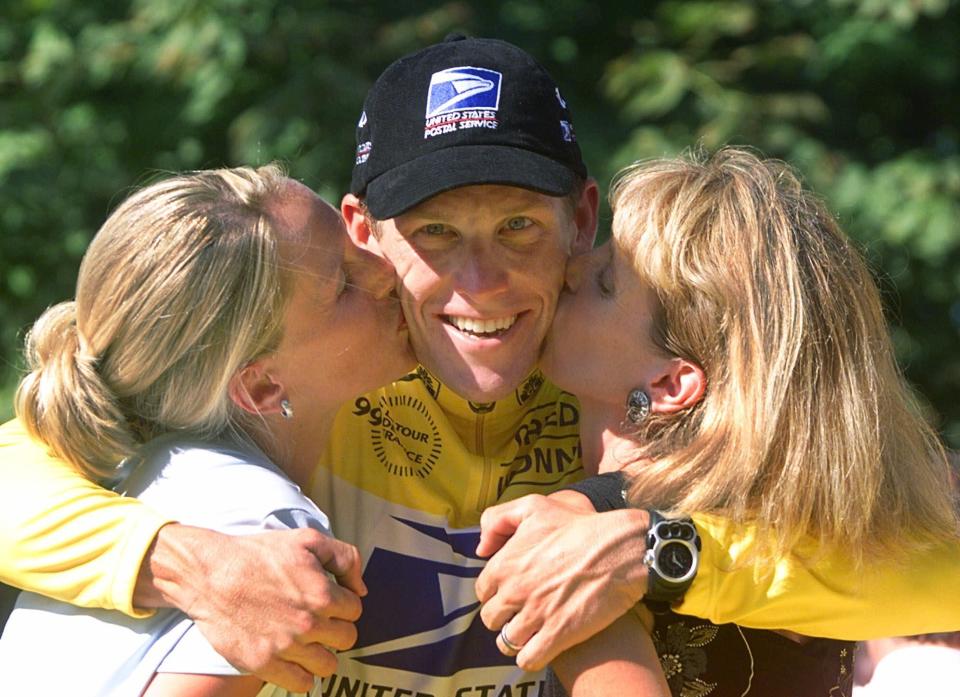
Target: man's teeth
[(482, 326)]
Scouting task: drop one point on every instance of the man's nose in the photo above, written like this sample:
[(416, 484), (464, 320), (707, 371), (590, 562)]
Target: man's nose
[(482, 272)]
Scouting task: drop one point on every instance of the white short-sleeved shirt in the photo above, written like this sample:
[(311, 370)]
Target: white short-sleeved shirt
[(930, 670), (227, 486)]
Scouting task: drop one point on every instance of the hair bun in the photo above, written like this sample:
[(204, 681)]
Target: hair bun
[(64, 402)]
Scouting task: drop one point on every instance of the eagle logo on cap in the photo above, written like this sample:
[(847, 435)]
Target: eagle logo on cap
[(463, 88)]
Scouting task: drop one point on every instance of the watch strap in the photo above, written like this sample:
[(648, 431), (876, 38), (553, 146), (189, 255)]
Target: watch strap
[(605, 491)]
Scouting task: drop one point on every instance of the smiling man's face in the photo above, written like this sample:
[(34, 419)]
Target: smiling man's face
[(480, 269)]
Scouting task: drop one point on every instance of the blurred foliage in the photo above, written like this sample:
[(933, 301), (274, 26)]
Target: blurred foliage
[(860, 95)]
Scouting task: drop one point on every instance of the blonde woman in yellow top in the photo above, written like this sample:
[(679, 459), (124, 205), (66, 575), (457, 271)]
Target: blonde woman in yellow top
[(738, 364)]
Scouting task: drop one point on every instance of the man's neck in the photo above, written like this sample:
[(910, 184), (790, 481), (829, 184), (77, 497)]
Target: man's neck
[(450, 398)]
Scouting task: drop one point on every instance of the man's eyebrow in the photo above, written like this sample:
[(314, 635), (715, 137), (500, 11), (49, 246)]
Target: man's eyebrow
[(424, 212)]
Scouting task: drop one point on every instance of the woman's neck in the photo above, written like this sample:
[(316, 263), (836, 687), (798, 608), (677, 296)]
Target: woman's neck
[(295, 445), (605, 448)]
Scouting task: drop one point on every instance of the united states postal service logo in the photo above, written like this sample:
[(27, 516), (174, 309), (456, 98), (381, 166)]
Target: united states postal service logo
[(463, 88)]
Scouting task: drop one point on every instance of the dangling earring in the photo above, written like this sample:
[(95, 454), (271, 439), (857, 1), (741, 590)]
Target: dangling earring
[(638, 407), (286, 411)]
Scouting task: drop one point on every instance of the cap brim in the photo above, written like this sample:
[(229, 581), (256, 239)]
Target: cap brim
[(403, 187)]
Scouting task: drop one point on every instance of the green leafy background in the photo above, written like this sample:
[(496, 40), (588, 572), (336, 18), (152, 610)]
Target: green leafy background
[(860, 95)]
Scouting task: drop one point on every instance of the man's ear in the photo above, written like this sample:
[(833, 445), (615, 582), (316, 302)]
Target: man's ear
[(586, 217), (255, 391), (680, 386), (358, 226)]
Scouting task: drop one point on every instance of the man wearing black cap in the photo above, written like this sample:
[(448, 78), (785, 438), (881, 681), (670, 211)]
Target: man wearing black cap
[(442, 146), (469, 180)]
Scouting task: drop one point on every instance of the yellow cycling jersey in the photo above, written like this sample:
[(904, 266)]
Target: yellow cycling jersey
[(408, 471), (418, 444)]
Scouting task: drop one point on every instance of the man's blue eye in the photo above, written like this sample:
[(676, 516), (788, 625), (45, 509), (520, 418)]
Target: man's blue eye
[(519, 223)]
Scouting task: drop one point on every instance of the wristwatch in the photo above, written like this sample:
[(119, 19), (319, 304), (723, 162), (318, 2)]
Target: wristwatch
[(672, 557)]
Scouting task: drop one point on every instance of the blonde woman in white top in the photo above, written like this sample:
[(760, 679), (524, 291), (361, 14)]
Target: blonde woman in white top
[(220, 319)]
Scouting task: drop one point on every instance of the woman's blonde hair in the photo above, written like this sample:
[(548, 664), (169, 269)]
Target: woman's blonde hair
[(807, 425), (178, 290)]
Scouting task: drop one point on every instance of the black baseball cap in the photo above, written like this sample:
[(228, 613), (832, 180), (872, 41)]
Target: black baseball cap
[(464, 111)]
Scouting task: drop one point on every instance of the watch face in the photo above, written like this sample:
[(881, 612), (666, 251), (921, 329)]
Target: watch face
[(674, 561)]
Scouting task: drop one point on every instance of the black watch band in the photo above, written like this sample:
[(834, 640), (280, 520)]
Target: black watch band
[(605, 491), (672, 557)]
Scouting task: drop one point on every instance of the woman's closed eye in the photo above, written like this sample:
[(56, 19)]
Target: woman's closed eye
[(604, 279), (345, 282)]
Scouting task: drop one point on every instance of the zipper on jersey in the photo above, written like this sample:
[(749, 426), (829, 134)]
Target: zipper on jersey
[(480, 449)]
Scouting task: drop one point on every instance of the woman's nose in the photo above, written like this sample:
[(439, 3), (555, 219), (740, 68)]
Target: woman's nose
[(575, 270), (371, 273)]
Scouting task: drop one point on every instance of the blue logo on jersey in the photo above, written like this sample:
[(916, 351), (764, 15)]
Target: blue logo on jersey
[(414, 618), (463, 88)]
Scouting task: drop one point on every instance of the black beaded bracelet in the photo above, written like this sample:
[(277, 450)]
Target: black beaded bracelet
[(605, 491)]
